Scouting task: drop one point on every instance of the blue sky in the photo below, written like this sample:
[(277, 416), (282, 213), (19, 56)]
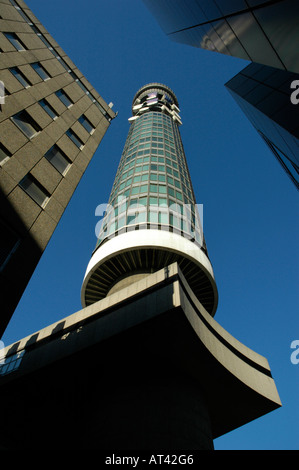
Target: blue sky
[(250, 206)]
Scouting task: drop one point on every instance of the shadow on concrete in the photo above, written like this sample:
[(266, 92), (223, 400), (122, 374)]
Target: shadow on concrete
[(19, 257)]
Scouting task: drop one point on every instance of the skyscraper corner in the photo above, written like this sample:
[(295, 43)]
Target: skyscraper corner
[(263, 32)]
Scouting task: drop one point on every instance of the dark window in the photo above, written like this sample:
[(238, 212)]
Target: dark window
[(63, 63), (4, 154), (20, 76), (58, 159), (48, 108), (42, 38), (101, 108), (24, 16), (74, 138), (86, 124), (34, 189), (83, 87), (35, 29), (26, 124), (15, 41), (40, 71), (11, 363), (64, 98)]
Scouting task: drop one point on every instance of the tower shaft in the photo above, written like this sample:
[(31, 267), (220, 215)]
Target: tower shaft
[(152, 218)]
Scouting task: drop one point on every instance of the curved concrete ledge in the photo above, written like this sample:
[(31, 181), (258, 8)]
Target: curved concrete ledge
[(142, 239)]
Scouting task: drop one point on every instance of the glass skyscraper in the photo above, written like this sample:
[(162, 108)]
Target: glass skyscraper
[(152, 218), (262, 31), (264, 95)]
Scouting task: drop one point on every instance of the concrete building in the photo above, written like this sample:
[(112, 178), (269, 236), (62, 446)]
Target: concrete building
[(260, 31), (51, 123), (143, 365), (265, 96)]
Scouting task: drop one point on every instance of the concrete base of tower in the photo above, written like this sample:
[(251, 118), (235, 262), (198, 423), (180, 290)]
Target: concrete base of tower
[(148, 406), (127, 281), (146, 368)]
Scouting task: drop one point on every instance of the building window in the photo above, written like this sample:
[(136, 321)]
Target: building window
[(163, 218), (25, 17), (64, 98), (86, 124), (11, 363), (83, 87), (42, 38), (15, 41), (58, 159), (4, 154), (48, 108), (20, 76), (46, 43), (40, 71), (101, 109), (64, 64), (26, 124), (9, 243), (35, 190), (74, 138), (34, 28)]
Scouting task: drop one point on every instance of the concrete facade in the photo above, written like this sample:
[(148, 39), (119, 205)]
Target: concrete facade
[(145, 368), (51, 123)]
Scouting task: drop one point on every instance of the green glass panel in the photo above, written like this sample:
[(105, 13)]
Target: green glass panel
[(163, 218), (153, 201)]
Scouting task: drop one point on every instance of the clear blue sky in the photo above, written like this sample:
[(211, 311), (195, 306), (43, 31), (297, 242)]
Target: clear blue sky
[(250, 206)]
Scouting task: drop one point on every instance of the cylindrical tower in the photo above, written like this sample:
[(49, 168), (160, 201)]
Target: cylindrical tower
[(152, 218)]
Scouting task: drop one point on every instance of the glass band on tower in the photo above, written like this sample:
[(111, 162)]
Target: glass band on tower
[(152, 219)]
